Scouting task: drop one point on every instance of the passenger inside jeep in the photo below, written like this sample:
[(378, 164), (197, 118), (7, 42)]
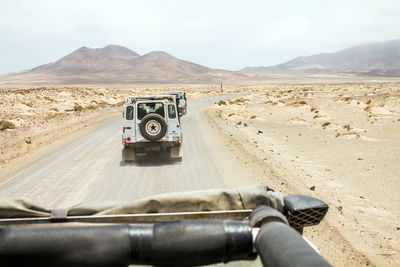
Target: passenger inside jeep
[(147, 108)]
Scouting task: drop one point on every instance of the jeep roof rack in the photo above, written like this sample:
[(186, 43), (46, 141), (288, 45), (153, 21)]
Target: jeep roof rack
[(176, 93), (133, 99)]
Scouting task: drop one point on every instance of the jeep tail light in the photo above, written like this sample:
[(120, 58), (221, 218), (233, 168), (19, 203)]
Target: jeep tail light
[(129, 139), (177, 125)]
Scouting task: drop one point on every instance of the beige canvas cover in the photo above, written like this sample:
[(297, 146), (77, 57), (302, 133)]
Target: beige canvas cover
[(207, 200)]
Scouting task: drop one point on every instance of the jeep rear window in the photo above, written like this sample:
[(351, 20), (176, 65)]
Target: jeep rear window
[(171, 111), (147, 108), (129, 112)]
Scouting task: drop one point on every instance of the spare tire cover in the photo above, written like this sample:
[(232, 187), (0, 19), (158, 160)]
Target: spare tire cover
[(153, 127)]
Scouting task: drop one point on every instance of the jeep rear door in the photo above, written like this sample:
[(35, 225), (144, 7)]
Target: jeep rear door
[(129, 124), (173, 120)]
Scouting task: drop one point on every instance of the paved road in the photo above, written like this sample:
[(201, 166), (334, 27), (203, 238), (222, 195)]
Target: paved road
[(90, 168)]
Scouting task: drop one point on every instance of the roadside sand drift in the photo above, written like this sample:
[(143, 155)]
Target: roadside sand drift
[(338, 142)]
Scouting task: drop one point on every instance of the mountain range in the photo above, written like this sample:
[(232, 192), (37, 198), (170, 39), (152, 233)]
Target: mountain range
[(374, 59), (118, 64)]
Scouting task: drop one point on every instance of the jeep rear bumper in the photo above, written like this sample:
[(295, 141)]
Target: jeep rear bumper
[(153, 146)]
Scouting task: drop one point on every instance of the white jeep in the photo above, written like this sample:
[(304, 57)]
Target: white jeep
[(181, 101), (151, 123)]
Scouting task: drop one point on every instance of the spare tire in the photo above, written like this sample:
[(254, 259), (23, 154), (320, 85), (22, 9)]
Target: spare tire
[(153, 127)]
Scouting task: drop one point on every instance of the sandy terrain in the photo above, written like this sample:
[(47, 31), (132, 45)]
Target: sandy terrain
[(338, 142), (36, 117)]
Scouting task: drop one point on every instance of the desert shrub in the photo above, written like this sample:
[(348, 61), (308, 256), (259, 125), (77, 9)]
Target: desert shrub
[(90, 107), (51, 116), (238, 101), (297, 119), (297, 103), (19, 92), (367, 108), (4, 125), (49, 99), (98, 93), (119, 104), (102, 104), (77, 107), (28, 104), (271, 102), (347, 127)]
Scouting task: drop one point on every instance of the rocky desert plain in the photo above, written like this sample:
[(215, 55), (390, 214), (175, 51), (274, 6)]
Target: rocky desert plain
[(338, 141)]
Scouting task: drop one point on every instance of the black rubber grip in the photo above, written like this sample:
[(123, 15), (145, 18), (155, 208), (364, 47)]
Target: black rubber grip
[(65, 246), (279, 245), (192, 243), (168, 243)]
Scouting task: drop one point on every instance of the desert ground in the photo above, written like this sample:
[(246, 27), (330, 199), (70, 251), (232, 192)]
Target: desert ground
[(335, 141), (338, 142)]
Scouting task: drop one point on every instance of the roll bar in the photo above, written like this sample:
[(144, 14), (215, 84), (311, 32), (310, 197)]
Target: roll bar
[(178, 243), (134, 99)]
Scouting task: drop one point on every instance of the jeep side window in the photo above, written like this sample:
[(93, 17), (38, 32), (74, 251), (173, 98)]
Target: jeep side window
[(147, 108), (129, 113), (171, 111)]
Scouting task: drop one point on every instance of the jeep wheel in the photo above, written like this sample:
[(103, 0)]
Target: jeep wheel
[(153, 127)]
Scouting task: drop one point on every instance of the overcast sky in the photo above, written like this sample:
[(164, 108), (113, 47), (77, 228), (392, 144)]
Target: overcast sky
[(219, 34)]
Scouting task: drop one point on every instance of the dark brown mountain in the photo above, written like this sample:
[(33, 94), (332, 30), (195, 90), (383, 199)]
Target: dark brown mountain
[(117, 64), (375, 59)]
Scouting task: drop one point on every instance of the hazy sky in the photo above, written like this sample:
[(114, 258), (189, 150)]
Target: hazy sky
[(219, 34)]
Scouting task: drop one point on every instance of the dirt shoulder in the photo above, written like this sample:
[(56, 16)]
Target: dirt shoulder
[(36, 121), (335, 142)]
